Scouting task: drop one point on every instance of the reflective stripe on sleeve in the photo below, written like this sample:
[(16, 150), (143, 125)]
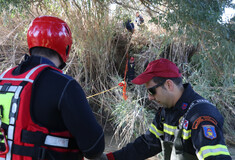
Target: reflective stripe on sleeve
[(153, 129), (169, 129), (186, 134), (212, 150)]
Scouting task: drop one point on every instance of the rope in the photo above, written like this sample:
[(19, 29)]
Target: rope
[(119, 85), (126, 69), (123, 83), (124, 86)]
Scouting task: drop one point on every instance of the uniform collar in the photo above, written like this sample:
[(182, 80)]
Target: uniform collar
[(40, 60), (183, 103), (30, 62)]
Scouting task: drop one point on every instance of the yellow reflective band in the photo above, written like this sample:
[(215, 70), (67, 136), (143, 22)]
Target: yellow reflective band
[(169, 126), (169, 129), (153, 129), (186, 134), (214, 150), (6, 103)]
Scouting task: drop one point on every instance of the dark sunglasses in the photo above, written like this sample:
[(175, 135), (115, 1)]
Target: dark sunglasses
[(152, 90)]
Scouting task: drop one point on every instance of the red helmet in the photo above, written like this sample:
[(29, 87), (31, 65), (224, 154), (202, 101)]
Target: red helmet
[(50, 32)]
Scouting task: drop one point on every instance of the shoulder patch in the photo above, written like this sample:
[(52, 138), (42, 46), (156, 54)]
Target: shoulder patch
[(202, 119), (185, 126), (209, 131)]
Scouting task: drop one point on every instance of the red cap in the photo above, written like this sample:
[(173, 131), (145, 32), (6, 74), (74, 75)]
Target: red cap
[(158, 68)]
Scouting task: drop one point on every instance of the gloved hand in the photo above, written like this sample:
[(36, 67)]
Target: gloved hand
[(102, 157)]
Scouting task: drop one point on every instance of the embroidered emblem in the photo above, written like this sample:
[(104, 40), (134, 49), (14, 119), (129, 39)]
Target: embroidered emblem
[(202, 119), (185, 126), (184, 106), (209, 131)]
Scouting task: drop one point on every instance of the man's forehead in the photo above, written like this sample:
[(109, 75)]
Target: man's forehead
[(150, 83)]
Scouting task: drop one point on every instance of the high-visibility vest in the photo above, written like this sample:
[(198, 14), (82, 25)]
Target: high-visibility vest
[(26, 139)]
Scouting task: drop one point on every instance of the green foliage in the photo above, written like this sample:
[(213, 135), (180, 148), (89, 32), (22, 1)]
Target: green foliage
[(191, 18), (131, 119), (13, 6), (231, 29), (213, 77)]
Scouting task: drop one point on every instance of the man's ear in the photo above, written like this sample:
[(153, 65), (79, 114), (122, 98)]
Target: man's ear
[(169, 84)]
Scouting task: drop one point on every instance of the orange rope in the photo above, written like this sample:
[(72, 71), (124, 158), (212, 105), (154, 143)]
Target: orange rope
[(124, 86), (123, 83), (126, 69)]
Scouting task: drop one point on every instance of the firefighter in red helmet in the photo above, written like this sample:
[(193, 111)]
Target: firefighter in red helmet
[(43, 112), (50, 32)]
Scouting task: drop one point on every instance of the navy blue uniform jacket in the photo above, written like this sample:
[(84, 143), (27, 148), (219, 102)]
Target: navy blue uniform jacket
[(202, 131)]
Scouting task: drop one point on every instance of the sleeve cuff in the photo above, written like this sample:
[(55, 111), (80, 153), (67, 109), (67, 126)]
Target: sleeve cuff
[(110, 156)]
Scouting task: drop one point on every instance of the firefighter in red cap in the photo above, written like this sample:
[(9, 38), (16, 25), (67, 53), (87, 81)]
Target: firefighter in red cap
[(187, 127), (44, 113)]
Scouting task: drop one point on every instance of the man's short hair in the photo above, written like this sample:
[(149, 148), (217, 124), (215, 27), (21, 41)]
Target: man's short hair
[(46, 52), (42, 51), (177, 80)]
